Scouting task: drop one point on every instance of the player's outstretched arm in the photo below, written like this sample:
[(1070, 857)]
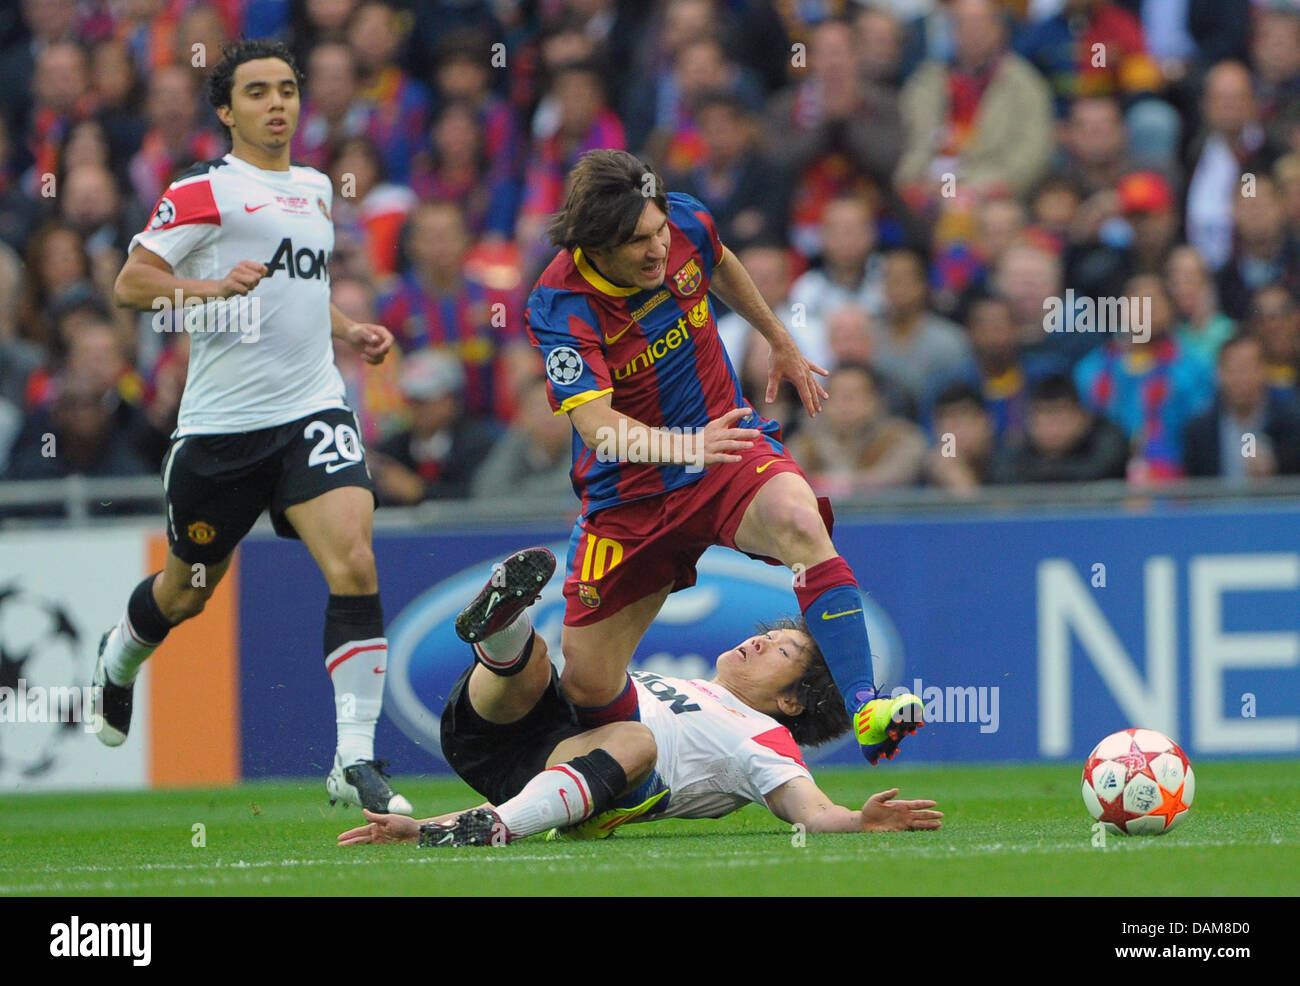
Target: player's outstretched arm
[(146, 277), (392, 828), (612, 434), (802, 802), (733, 285)]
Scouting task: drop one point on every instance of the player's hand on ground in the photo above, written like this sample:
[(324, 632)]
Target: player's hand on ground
[(243, 277), (721, 441), (882, 814), (787, 363), (370, 340), (382, 828)]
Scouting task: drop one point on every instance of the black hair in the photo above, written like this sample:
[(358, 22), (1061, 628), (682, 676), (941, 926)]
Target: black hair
[(608, 191), (918, 255), (958, 393), (221, 79), (1232, 342), (1272, 287), (464, 44), (873, 376), (728, 99), (1055, 387), (824, 716)]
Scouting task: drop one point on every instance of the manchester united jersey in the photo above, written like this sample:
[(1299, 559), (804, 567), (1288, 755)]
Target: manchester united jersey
[(657, 352), (266, 358), (716, 754)]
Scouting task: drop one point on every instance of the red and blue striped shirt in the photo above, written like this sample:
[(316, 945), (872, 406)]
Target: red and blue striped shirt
[(657, 352)]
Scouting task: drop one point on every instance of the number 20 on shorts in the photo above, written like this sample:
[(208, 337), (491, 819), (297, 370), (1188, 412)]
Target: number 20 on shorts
[(601, 556)]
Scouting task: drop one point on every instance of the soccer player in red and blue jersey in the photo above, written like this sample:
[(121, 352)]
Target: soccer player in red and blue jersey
[(669, 459)]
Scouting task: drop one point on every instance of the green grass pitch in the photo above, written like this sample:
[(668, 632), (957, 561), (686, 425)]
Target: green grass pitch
[(1009, 830)]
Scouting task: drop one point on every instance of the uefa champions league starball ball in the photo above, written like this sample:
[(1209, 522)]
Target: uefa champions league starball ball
[(1138, 782)]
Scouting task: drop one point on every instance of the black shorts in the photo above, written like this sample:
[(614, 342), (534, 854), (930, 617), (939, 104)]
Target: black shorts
[(218, 485), (498, 760)]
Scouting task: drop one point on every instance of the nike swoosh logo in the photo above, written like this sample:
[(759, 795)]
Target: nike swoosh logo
[(765, 465), (256, 207), (379, 670), (847, 612), (334, 467), (609, 340), (492, 604)]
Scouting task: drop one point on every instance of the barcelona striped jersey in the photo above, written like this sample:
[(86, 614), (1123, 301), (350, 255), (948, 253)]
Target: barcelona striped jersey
[(657, 352)]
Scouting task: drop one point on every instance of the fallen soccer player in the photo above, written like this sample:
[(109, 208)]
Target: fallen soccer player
[(702, 749)]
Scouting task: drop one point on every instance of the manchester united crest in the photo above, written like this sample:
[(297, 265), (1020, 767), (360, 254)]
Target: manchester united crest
[(201, 532), (688, 277)]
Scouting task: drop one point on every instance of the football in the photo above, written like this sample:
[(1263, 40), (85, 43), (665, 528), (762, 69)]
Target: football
[(1138, 782)]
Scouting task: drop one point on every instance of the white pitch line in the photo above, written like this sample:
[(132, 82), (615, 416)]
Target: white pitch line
[(653, 859)]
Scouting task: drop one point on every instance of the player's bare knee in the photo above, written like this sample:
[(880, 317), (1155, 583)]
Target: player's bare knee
[(635, 749), (802, 532), (351, 571), (585, 691)]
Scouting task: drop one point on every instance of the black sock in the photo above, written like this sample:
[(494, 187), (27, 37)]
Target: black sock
[(350, 618), (604, 777), (146, 618)]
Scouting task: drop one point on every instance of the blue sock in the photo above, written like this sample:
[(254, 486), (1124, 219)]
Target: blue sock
[(643, 791), (832, 608)]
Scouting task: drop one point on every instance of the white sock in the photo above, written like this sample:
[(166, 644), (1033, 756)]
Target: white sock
[(124, 652), (558, 796), (504, 648), (357, 670)]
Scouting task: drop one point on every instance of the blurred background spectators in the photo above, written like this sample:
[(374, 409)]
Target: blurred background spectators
[(944, 200)]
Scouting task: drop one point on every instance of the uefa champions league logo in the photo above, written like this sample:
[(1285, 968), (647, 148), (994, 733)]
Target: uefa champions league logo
[(733, 593), (564, 365), (44, 700)]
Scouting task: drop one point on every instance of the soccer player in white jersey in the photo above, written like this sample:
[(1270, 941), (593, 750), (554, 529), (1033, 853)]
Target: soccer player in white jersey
[(718, 744), (238, 249)]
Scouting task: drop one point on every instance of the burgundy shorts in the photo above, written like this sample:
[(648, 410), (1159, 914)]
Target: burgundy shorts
[(622, 554)]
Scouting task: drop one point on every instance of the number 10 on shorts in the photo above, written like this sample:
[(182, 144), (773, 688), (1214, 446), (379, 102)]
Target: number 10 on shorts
[(601, 556)]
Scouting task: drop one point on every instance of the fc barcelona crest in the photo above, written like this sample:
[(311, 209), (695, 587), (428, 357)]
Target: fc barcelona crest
[(688, 278)]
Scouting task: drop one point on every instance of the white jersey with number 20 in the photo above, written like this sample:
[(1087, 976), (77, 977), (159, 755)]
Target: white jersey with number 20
[(245, 376)]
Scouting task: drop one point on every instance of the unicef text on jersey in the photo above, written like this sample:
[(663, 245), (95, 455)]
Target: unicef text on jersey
[(238, 314)]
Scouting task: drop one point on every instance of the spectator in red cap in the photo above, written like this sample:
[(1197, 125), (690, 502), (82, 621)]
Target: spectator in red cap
[(1147, 202), (1119, 232)]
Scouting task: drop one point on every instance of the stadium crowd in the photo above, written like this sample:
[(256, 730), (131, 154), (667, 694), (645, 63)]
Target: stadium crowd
[(951, 203)]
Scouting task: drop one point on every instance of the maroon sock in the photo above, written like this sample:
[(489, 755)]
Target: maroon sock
[(625, 708), (824, 575)]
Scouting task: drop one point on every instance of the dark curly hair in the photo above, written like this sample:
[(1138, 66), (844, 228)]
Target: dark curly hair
[(608, 189), (824, 716), (221, 79)]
